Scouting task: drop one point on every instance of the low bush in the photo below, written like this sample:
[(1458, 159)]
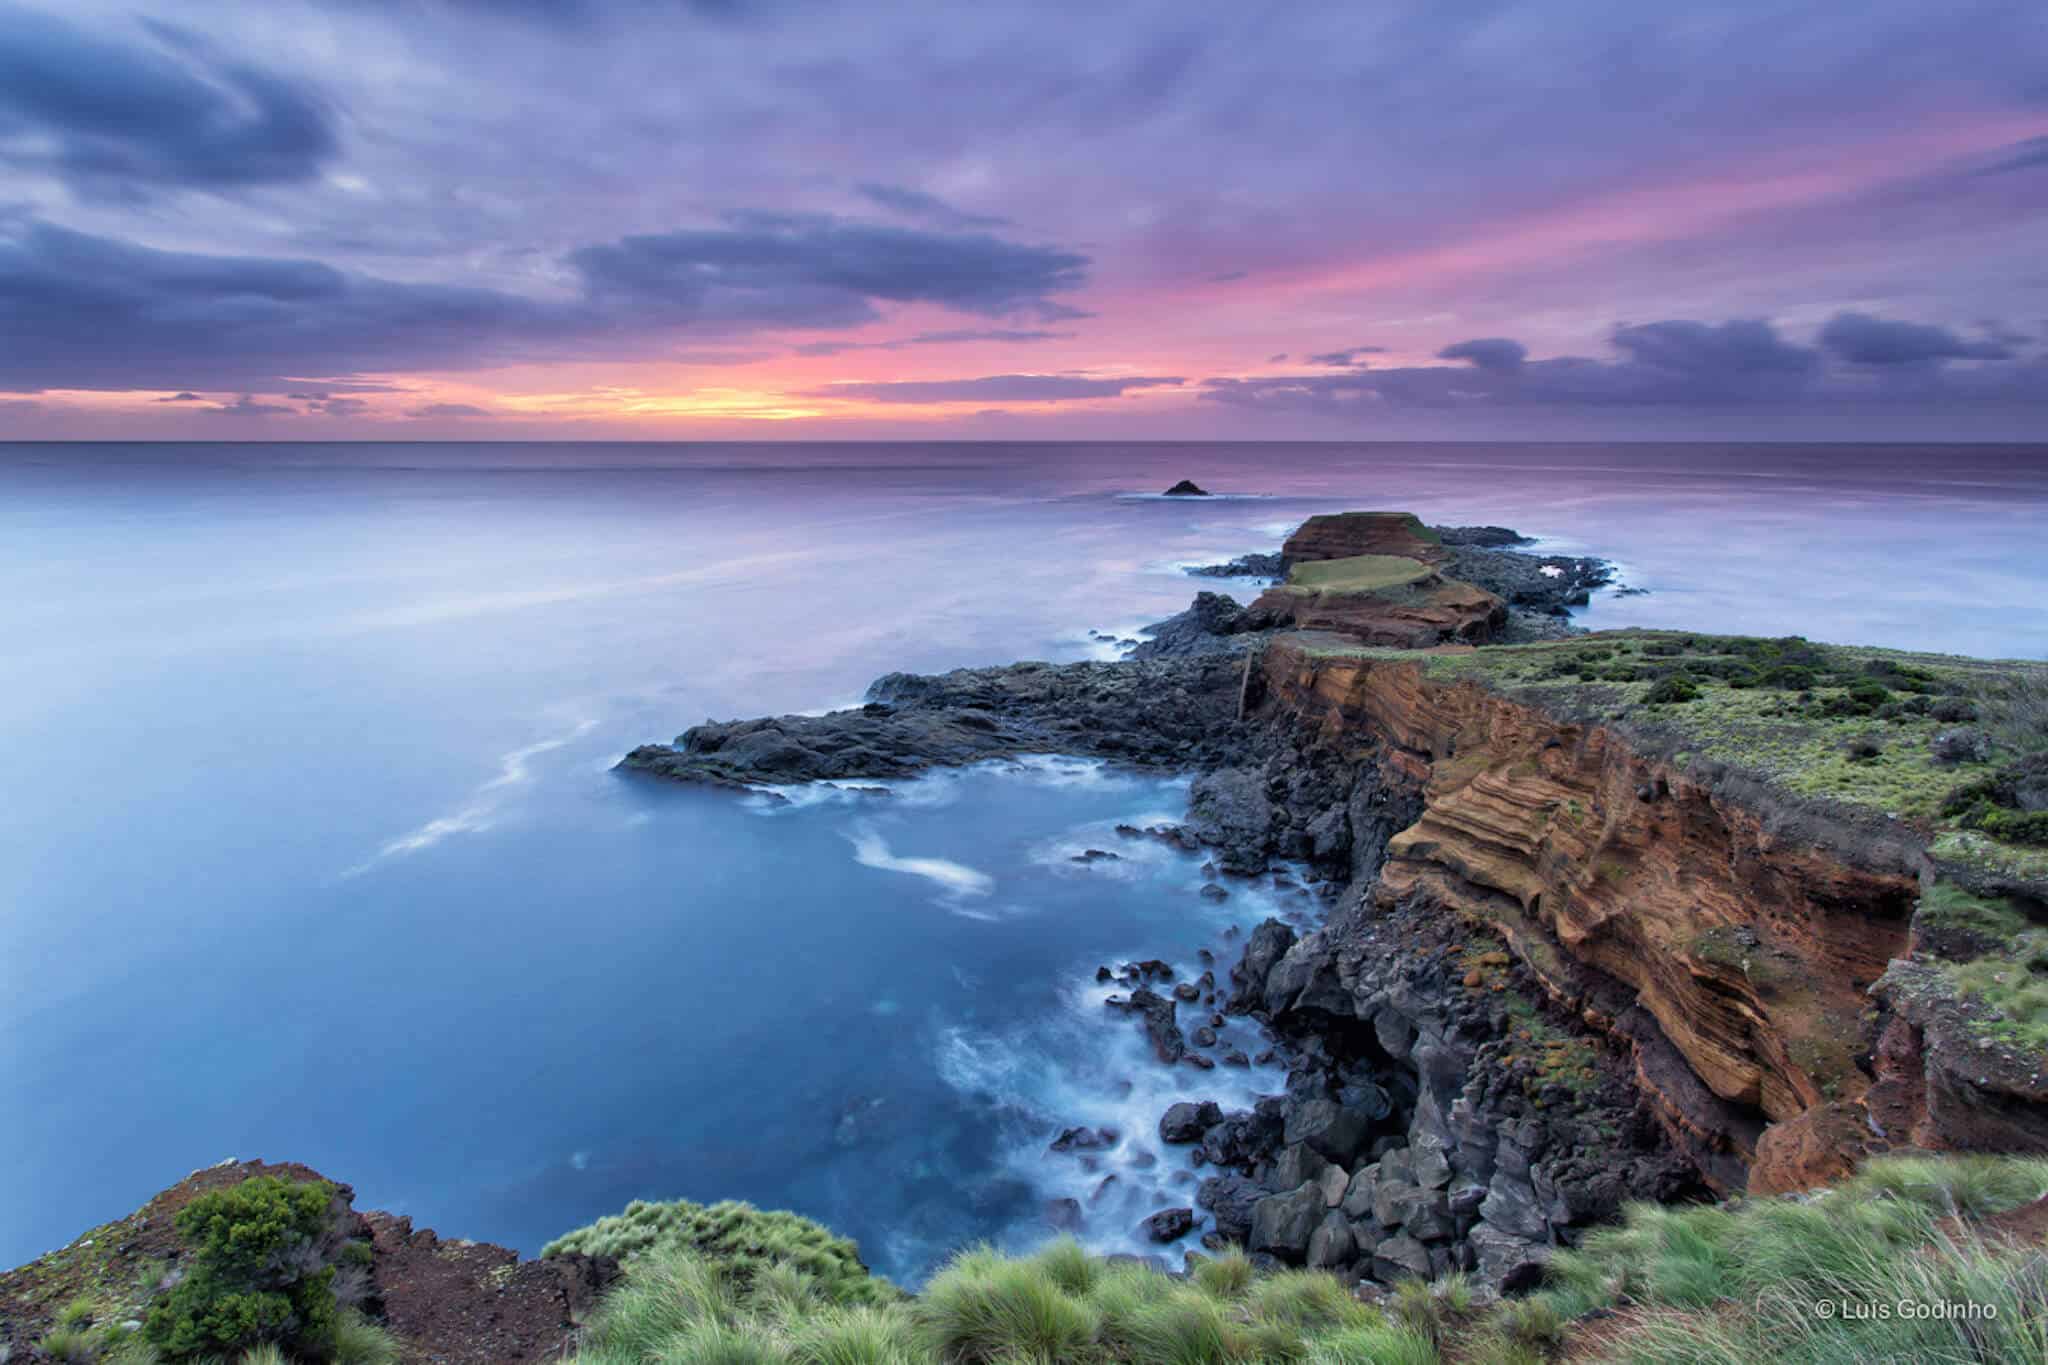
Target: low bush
[(255, 1273), (2011, 804), (1672, 689), (737, 1236)]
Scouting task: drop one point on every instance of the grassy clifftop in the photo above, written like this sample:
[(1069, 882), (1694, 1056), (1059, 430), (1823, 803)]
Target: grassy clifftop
[(1920, 738), (1914, 1259)]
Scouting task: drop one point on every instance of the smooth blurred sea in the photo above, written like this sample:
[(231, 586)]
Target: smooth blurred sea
[(310, 849)]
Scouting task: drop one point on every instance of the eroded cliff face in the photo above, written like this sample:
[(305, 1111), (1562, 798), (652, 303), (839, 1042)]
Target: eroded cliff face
[(1731, 948), (1429, 611)]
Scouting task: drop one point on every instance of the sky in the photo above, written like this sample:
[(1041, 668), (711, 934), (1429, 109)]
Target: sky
[(790, 219)]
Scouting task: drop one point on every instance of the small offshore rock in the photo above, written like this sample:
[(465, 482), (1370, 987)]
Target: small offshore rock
[(1169, 1225)]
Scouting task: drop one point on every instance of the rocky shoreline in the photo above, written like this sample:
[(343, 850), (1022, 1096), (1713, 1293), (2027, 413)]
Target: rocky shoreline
[(1640, 914), (1438, 1113)]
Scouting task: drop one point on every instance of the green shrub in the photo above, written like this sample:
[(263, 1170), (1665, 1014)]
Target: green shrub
[(1999, 804), (1790, 678), (253, 1277), (738, 1236), (1674, 688)]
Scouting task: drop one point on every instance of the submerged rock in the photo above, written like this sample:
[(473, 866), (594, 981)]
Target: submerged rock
[(1169, 1225)]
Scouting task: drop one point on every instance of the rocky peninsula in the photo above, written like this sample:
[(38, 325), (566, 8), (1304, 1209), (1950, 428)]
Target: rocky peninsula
[(1638, 914)]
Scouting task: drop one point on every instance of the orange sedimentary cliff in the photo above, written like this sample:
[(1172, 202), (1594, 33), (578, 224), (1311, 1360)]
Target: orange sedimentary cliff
[(1731, 942)]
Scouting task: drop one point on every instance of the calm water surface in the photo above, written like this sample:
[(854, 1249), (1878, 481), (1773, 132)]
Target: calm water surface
[(311, 850)]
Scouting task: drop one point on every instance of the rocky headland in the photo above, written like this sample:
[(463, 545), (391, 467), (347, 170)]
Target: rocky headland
[(1595, 918), (1385, 578), (1611, 916)]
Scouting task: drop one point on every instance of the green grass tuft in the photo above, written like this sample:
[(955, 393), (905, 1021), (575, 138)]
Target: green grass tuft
[(740, 1237)]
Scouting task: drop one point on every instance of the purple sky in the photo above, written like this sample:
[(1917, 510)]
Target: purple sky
[(775, 218)]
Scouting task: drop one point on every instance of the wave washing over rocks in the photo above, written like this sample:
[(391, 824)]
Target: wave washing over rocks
[(1396, 1095)]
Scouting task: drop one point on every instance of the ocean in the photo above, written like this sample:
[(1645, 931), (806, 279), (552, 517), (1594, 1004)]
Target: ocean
[(312, 850)]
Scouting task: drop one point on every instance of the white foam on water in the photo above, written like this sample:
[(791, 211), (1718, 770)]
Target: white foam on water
[(1096, 649), (870, 849), (1087, 1066), (941, 786), (1136, 859), (485, 806)]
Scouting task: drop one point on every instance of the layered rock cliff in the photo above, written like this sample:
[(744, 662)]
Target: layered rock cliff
[(1729, 938)]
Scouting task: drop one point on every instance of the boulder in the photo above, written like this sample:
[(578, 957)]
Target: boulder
[(1306, 979), (1283, 1223), (1232, 1198), (1157, 1014), (1334, 1181), (1295, 1164), (1333, 1132), (1331, 1245), (1361, 1195), (1431, 1164), (1242, 1139), (1395, 1201), (1229, 810), (1429, 1218), (1504, 1261), (1510, 1206), (1400, 1257), (1266, 946), (1187, 1121), (1169, 1225), (1063, 1215)]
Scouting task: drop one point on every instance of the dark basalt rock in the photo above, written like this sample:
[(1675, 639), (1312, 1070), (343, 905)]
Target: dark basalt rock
[(1520, 580), (1267, 945), (1187, 488), (1169, 1225), (1175, 713), (1187, 1121), (1283, 1223), (1214, 623), (1244, 566), (1244, 1138), (1157, 1013), (1486, 537)]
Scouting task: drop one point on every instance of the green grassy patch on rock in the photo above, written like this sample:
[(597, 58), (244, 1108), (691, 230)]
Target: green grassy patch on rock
[(1360, 573)]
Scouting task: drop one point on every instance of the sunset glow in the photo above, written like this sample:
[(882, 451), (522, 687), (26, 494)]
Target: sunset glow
[(823, 251)]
